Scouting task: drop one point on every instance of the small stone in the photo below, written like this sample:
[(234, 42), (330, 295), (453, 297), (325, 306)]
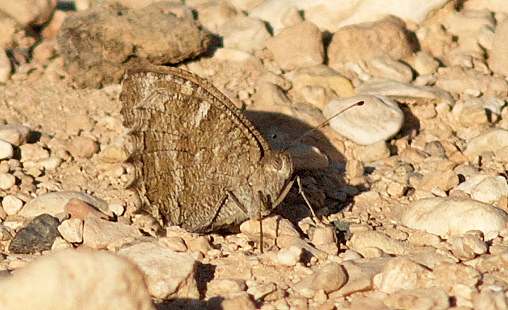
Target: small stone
[(484, 188), (117, 209), (44, 50), (33, 152), (424, 63), (290, 256), (5, 65), (78, 209), (441, 179), (403, 274), (372, 152), (376, 239), (361, 273), (297, 46), (60, 244), (37, 236), (100, 234), (423, 238), (169, 275), (61, 279), (470, 113), (379, 119), (82, 147), (225, 287), (387, 67), (273, 227), (199, 244), (54, 203), (455, 79), (354, 43), (174, 243), (326, 77), (238, 301), (50, 163), (492, 140), (6, 150), (72, 230), (328, 278), (12, 204), (15, 134), (7, 181), (114, 154), (498, 61), (453, 216), (420, 298), (5, 233), (235, 30)]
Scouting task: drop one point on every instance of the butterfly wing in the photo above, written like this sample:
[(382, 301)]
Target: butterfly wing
[(193, 147)]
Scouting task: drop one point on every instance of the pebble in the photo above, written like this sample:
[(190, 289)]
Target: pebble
[(361, 273), (7, 181), (420, 298), (174, 243), (470, 113), (379, 119), (29, 11), (54, 203), (82, 147), (297, 46), (484, 188), (6, 150), (33, 152), (353, 43), (234, 31), (324, 76), (213, 14), (61, 279), (371, 152), (492, 140), (424, 63), (289, 256), (11, 204), (5, 66), (100, 234), (376, 239), (114, 154), (453, 216), (79, 209), (72, 230), (403, 274), (329, 278), (15, 134), (169, 275), (468, 247), (389, 68), (442, 179), (237, 301), (498, 61), (37, 236)]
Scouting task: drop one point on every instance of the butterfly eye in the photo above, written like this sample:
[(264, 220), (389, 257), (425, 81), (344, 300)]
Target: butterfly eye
[(274, 136)]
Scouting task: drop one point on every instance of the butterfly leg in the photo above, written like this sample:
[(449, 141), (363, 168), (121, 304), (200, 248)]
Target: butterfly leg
[(222, 202)]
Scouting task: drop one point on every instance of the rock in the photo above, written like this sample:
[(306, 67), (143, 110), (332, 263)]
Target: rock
[(419, 298), (236, 29), (378, 119), (169, 275), (453, 216), (468, 246), (372, 152), (12, 204), (6, 150), (498, 61), (61, 279), (72, 230), (98, 44), (37, 236), (492, 140), (78, 209), (54, 203), (45, 50), (324, 76), (361, 273), (484, 188), (241, 301), (403, 274), (470, 113), (290, 256), (15, 134), (33, 152), (376, 239), (100, 234), (8, 25), (82, 147), (389, 68), (424, 63), (7, 181), (491, 5), (488, 298), (27, 12), (5, 66), (443, 179), (51, 29), (297, 46), (212, 14), (174, 243), (273, 227), (329, 278), (114, 154), (457, 79), (354, 43), (467, 26), (404, 91)]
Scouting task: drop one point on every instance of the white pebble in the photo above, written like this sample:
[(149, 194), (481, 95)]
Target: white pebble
[(7, 181), (12, 204), (289, 256), (116, 208), (6, 150)]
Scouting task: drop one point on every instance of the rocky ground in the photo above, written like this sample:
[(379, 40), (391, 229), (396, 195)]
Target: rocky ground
[(410, 190)]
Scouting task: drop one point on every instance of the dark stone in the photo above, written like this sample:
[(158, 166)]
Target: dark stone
[(98, 44), (37, 236)]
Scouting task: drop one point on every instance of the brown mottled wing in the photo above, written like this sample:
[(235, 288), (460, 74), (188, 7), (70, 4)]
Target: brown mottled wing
[(192, 145)]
